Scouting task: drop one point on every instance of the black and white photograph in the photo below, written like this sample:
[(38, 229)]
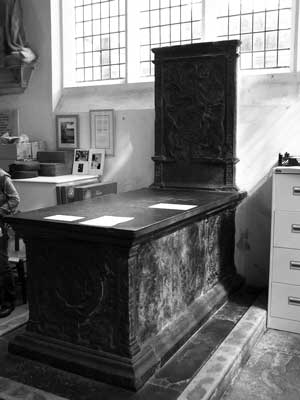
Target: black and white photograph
[(81, 155), (67, 127), (149, 199), (81, 161), (97, 159)]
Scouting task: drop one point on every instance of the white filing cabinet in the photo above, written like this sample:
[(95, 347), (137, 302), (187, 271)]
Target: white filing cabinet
[(284, 281)]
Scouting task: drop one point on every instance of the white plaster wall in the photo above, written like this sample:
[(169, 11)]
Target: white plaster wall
[(131, 166)]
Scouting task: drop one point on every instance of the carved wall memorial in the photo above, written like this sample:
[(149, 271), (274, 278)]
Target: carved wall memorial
[(17, 59)]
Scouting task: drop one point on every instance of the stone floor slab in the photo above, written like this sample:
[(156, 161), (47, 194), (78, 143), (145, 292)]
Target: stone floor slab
[(272, 372), (212, 379), (12, 390)]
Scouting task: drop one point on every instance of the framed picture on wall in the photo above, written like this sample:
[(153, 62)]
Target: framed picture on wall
[(96, 163), (81, 161), (102, 130), (67, 131)]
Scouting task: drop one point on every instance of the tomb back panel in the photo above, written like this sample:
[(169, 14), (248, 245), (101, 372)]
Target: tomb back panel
[(195, 109)]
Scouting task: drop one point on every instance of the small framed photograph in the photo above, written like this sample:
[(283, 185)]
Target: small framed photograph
[(102, 130), (96, 163), (67, 131), (81, 161)]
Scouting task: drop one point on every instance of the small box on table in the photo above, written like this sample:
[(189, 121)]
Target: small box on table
[(85, 192)]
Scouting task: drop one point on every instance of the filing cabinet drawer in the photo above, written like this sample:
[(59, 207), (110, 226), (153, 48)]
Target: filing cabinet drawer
[(287, 192), (286, 266), (287, 229), (285, 301)]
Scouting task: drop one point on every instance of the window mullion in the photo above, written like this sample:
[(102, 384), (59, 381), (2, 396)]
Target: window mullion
[(69, 46), (209, 20), (132, 42), (295, 42)]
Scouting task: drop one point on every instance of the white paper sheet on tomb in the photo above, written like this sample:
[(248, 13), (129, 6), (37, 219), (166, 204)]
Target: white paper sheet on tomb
[(106, 220), (169, 206), (68, 218)]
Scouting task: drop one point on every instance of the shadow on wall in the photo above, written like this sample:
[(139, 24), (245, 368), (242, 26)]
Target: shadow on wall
[(268, 123), (253, 228)]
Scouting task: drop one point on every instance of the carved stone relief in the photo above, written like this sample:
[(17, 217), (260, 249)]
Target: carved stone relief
[(194, 109), (77, 299)]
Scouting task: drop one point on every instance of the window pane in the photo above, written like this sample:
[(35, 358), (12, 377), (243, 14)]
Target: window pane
[(246, 23), (97, 74), (105, 73), (175, 15), (168, 22), (234, 25), (79, 14), (165, 16), (175, 32), (271, 59), (186, 31), (258, 41), (165, 34), (272, 20), (96, 11), (96, 27), (259, 22), (234, 7), (96, 43), (264, 28), (80, 75), (154, 16), (271, 4), (284, 58), (284, 39), (247, 6), (285, 17), (246, 43), (115, 71), (79, 45), (88, 44), (96, 58), (271, 40), (258, 60), (114, 8), (79, 29), (79, 61), (88, 59), (88, 74), (100, 37), (87, 11)]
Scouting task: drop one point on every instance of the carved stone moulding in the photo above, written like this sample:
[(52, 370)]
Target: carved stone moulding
[(195, 115)]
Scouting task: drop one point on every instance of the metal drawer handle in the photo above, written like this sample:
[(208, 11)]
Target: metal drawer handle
[(294, 301), (295, 228), (295, 265), (296, 191)]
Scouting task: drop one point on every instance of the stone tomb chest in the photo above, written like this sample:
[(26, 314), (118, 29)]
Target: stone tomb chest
[(114, 299)]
